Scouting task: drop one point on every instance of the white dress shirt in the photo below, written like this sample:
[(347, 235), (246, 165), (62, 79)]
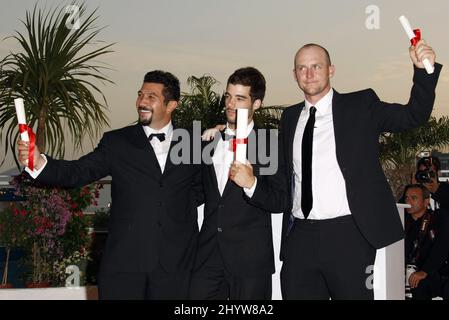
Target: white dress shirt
[(328, 184), (161, 148), (223, 158)]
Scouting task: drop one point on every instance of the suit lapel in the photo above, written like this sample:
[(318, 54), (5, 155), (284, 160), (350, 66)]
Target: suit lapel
[(228, 187), (210, 167), (139, 139), (168, 163), (213, 144), (291, 130), (338, 120)]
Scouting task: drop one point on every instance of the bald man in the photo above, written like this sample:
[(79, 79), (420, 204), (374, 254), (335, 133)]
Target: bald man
[(341, 208)]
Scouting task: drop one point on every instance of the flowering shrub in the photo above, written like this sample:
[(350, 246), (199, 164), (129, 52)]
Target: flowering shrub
[(51, 225), (79, 259), (13, 227)]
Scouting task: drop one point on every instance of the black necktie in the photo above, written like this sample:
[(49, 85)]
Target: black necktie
[(306, 161), (160, 136)]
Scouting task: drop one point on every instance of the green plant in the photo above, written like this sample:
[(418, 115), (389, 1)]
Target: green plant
[(57, 75), (200, 104), (52, 226), (268, 117)]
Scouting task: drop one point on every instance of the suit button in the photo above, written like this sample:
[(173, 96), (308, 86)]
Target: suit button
[(220, 206), (219, 229)]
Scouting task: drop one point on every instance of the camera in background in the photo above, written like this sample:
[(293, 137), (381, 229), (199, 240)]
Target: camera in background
[(428, 168)]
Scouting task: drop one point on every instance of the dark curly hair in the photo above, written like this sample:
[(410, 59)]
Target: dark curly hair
[(171, 91), (250, 77)]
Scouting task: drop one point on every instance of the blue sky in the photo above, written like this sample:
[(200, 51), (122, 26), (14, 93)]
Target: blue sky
[(216, 37)]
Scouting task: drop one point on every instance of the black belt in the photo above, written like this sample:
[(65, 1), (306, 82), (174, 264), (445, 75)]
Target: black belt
[(342, 219)]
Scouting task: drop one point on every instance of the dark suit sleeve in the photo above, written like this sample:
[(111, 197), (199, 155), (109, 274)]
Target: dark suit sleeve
[(442, 196), (271, 190), (394, 117), (440, 249), (87, 169)]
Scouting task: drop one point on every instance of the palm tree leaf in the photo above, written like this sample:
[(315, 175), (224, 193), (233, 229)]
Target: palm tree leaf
[(56, 74)]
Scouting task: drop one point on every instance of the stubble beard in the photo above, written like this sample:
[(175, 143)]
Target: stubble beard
[(145, 121)]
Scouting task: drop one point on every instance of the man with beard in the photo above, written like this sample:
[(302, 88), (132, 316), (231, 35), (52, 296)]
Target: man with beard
[(235, 257), (152, 238)]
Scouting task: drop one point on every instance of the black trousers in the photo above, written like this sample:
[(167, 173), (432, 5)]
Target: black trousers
[(327, 259), (212, 281), (155, 285)]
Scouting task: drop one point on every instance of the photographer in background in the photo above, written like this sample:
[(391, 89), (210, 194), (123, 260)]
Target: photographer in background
[(426, 245), (427, 174)]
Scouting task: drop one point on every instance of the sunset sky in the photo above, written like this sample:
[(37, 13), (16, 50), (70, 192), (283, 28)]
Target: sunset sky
[(216, 37)]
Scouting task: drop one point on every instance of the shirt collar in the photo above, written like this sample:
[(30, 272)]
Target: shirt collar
[(168, 129), (232, 132), (323, 106)]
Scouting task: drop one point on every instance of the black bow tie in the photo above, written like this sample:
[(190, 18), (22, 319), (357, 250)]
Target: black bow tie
[(160, 136), (225, 136)]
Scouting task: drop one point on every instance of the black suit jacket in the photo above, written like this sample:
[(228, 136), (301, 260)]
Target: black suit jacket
[(442, 195), (153, 215), (359, 118), (241, 231)]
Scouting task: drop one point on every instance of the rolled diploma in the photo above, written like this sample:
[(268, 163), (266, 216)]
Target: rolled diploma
[(409, 31), (241, 133), (21, 118)]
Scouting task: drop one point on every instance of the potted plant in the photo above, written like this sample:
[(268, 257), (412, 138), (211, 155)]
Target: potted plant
[(53, 227)]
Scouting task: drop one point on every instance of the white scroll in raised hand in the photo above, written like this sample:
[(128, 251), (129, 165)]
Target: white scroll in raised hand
[(21, 117), (241, 135), (411, 35)]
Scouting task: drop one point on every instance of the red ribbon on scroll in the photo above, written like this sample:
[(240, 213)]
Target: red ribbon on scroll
[(417, 37), (235, 142), (32, 136)]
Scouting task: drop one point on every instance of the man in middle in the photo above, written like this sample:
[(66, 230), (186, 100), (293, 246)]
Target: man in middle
[(235, 257)]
